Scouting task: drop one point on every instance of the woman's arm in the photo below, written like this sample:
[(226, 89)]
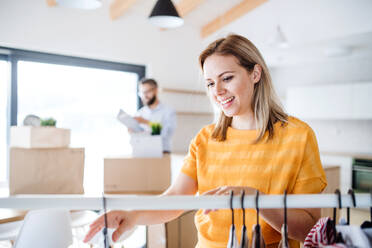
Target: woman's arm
[(299, 221), (184, 185), (125, 220)]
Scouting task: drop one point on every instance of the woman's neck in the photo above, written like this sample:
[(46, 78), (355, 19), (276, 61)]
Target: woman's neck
[(244, 122)]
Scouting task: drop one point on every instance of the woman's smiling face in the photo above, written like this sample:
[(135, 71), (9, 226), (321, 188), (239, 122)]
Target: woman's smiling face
[(229, 84)]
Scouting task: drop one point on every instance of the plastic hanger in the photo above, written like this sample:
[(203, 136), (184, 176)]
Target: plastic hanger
[(257, 229), (352, 195), (244, 238), (337, 237), (339, 205), (285, 227), (232, 237), (368, 224), (105, 240)]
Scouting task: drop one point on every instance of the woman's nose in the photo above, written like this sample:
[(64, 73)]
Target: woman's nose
[(219, 89)]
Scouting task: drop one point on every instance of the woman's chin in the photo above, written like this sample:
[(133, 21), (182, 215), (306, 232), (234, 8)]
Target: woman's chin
[(228, 113)]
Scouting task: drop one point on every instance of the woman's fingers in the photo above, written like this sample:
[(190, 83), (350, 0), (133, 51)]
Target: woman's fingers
[(224, 190), (114, 218), (92, 232), (119, 231), (218, 191), (211, 192), (97, 222)]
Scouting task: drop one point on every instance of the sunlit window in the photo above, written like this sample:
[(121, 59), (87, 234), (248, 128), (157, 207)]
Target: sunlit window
[(84, 100), (4, 83)]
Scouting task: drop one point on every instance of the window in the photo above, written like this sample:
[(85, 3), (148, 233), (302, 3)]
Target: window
[(83, 95), (85, 100)]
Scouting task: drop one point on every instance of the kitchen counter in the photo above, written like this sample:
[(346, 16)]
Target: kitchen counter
[(348, 154)]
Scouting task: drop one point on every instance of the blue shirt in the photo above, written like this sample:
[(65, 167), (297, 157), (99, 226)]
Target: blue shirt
[(166, 116)]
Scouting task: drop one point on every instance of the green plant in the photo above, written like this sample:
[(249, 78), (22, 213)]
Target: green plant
[(50, 122), (155, 128)]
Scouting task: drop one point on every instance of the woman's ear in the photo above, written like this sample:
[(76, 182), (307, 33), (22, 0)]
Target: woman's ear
[(256, 74)]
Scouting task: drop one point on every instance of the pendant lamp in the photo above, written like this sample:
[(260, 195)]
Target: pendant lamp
[(165, 15), (278, 39), (80, 4)]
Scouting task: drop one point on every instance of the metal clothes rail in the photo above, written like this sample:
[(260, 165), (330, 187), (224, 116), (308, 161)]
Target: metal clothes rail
[(140, 202)]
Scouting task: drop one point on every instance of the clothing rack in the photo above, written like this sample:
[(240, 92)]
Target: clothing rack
[(185, 202)]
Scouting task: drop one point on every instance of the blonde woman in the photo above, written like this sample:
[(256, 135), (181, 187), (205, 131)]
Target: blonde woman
[(254, 145)]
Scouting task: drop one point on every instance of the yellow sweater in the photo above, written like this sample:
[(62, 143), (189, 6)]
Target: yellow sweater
[(288, 161)]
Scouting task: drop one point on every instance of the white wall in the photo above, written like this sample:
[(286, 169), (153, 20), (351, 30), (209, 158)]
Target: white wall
[(312, 27), (170, 56), (333, 135)]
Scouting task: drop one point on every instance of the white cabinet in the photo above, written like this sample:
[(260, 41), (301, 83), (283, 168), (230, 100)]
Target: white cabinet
[(340, 101)]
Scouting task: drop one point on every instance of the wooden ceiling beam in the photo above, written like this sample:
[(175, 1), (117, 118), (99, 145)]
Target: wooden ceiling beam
[(229, 16), (119, 7), (51, 3), (184, 7)]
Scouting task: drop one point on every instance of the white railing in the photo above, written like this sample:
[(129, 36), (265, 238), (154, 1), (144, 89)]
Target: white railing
[(140, 202)]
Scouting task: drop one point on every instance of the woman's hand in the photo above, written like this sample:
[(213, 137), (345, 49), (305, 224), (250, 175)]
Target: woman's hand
[(120, 220), (225, 190)]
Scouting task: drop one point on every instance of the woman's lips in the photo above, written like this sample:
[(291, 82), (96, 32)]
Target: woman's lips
[(228, 102)]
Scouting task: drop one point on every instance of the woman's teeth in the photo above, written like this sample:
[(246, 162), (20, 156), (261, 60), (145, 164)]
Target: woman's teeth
[(227, 100)]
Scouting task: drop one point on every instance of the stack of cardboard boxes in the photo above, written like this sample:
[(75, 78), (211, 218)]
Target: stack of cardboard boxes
[(41, 162), (135, 175)]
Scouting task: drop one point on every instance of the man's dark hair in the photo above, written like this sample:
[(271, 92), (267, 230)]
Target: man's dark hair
[(149, 81)]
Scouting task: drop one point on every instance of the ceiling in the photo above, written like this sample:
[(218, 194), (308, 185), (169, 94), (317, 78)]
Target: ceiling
[(317, 25), (311, 27)]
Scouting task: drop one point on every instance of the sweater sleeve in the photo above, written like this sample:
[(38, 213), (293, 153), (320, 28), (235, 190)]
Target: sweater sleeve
[(311, 178)]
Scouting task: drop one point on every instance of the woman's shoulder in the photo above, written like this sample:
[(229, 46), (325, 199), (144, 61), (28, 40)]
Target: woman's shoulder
[(207, 130), (204, 133), (296, 125)]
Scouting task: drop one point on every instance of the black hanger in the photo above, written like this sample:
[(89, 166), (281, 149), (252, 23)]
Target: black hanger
[(106, 244), (285, 220), (339, 205), (232, 218), (244, 229), (337, 237), (368, 224), (352, 195), (231, 206), (257, 229), (257, 208)]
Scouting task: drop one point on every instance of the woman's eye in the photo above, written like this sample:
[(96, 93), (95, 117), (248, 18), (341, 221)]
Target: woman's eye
[(210, 84), (228, 78)]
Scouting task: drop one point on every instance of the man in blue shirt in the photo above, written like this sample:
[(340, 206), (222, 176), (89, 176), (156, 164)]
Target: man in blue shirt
[(155, 111)]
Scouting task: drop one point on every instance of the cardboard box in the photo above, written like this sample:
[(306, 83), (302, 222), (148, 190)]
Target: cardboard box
[(39, 137), (146, 146), (128, 175), (179, 233), (46, 171)]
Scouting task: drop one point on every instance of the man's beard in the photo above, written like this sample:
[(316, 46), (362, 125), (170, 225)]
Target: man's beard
[(151, 101)]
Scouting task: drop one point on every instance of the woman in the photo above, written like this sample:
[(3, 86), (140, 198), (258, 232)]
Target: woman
[(253, 146)]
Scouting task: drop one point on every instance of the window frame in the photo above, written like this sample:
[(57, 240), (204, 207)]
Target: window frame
[(13, 55), (5, 57)]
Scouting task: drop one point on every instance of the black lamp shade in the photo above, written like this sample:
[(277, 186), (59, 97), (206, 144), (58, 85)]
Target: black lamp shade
[(165, 15)]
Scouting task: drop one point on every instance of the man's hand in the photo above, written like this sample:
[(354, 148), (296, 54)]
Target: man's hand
[(142, 120)]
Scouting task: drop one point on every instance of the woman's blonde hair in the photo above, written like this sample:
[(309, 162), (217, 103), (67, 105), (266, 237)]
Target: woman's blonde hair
[(265, 104)]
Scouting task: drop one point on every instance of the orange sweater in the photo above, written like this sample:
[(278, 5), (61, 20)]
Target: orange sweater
[(288, 161)]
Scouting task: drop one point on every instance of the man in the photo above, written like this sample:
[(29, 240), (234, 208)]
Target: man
[(154, 111)]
